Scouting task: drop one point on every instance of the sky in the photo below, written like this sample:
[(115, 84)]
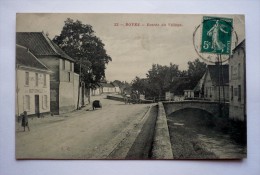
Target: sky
[(133, 41)]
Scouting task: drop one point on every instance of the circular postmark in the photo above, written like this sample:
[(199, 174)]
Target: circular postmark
[(214, 39)]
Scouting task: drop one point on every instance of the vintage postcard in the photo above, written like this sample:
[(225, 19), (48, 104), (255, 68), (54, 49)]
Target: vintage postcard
[(130, 86)]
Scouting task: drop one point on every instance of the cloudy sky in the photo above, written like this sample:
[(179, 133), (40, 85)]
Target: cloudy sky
[(133, 47)]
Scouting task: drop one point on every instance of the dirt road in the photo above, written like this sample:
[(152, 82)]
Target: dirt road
[(86, 134)]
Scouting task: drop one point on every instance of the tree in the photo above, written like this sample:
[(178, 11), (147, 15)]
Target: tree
[(195, 71), (140, 85), (158, 80), (79, 42)]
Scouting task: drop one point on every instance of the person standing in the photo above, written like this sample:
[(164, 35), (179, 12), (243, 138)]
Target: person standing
[(25, 121)]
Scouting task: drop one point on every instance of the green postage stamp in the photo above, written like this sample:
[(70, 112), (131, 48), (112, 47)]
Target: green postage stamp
[(216, 35)]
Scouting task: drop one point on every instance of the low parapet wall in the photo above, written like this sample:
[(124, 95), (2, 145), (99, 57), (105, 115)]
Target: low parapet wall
[(112, 97), (162, 148)]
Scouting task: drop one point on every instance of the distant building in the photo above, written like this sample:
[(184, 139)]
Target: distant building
[(32, 84), (216, 83), (63, 82), (96, 91), (117, 87), (188, 94), (108, 88), (237, 83), (169, 96)]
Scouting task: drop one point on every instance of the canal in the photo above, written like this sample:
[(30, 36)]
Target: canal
[(196, 134)]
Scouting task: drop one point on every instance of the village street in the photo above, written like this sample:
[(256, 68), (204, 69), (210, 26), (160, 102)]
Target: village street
[(84, 134)]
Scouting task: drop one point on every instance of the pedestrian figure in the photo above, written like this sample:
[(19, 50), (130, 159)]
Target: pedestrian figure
[(25, 121)]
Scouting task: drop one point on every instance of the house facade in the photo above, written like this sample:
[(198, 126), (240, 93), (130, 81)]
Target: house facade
[(108, 88), (237, 83), (216, 83), (117, 87), (63, 87), (32, 84), (96, 91)]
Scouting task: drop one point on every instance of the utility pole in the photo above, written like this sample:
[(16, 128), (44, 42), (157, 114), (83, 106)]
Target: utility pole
[(79, 82)]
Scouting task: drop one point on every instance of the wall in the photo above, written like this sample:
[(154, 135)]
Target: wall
[(31, 90), (211, 107), (52, 63), (108, 90), (209, 91), (237, 109), (66, 97), (96, 91), (212, 92)]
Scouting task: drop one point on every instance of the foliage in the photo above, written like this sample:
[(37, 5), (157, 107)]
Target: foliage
[(160, 79), (195, 71), (79, 42)]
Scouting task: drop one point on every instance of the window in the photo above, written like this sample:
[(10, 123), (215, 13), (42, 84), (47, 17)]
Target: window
[(231, 92), (69, 76), (231, 73), (71, 66), (36, 79), (63, 64), (27, 78), (44, 80), (44, 102), (238, 70), (239, 93), (235, 92), (26, 104)]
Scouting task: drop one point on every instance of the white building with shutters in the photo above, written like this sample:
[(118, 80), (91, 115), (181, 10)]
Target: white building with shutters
[(32, 84)]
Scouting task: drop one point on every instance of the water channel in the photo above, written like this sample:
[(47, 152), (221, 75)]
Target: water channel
[(194, 135)]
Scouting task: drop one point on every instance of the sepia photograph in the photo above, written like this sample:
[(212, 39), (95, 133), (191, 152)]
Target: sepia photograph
[(118, 86)]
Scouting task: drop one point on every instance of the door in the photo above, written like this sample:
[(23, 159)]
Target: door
[(37, 106)]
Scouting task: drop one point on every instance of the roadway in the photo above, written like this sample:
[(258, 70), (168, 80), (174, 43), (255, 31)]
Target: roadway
[(107, 133)]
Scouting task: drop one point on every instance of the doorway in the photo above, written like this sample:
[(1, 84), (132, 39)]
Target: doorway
[(37, 106)]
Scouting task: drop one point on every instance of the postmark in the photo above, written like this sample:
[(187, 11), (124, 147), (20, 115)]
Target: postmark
[(215, 38)]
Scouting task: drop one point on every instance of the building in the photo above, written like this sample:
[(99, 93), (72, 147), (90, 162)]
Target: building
[(216, 83), (199, 88), (108, 88), (188, 94), (63, 83), (237, 83), (32, 84), (117, 87), (96, 91)]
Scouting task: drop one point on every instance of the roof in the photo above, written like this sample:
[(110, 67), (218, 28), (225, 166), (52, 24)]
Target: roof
[(216, 73), (25, 58), (199, 85), (40, 45), (107, 85), (240, 45), (116, 84)]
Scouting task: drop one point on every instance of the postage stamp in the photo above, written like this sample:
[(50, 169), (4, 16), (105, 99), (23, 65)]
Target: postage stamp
[(216, 35)]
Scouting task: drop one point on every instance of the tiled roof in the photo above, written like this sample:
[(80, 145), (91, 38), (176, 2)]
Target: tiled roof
[(40, 45), (25, 58), (219, 74)]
